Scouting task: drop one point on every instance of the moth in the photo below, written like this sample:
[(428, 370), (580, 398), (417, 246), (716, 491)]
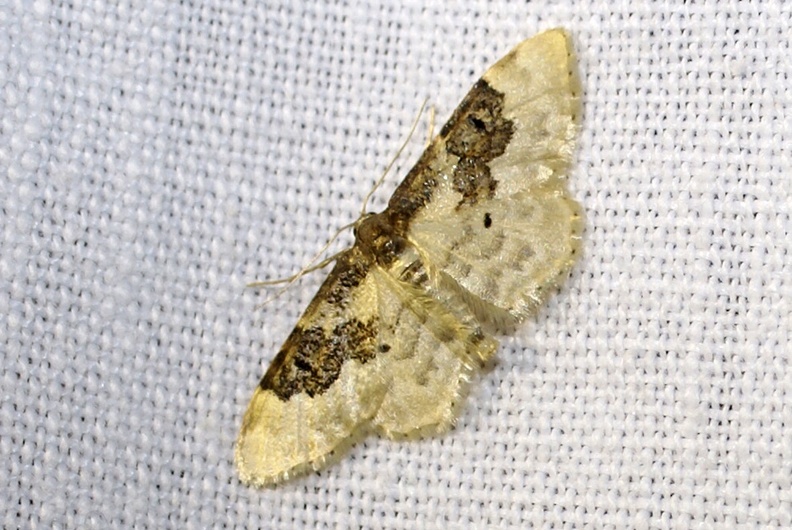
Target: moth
[(471, 243)]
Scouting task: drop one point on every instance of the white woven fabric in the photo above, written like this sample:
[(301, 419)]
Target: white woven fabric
[(158, 155)]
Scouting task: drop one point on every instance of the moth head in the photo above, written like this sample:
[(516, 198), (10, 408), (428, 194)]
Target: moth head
[(375, 234), (362, 219)]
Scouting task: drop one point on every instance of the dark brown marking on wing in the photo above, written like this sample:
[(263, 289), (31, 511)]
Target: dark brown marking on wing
[(347, 274), (473, 180), (477, 133), (416, 190), (478, 129), (477, 336), (311, 359)]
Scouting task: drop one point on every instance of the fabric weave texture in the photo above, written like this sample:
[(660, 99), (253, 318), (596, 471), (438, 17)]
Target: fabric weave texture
[(156, 156)]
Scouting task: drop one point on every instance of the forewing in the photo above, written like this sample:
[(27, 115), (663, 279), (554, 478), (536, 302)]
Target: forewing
[(324, 383), (487, 203)]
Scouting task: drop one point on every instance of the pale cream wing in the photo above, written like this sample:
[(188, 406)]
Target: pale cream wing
[(508, 252), (434, 344), (323, 386), (541, 97), (494, 213), (513, 131)]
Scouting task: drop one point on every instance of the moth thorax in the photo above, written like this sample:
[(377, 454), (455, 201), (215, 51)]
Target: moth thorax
[(376, 236)]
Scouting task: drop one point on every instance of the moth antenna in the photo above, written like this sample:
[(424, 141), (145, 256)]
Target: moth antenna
[(308, 267), (396, 156), (294, 277), (430, 135)]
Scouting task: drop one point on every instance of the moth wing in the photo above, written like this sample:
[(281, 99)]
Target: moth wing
[(402, 368), (508, 252), (496, 216), (435, 343), (541, 97), (324, 383)]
